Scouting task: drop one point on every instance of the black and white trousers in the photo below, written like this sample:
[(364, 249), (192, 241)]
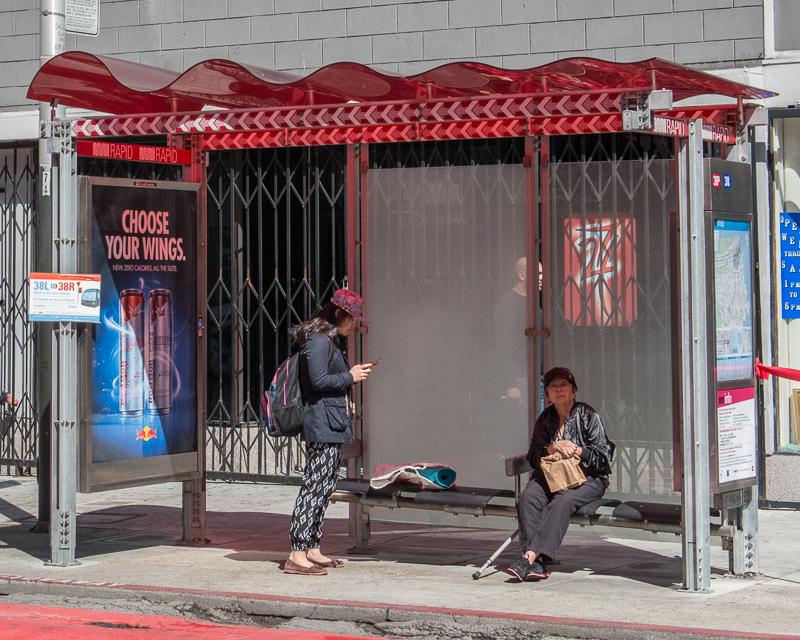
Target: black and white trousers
[(319, 480)]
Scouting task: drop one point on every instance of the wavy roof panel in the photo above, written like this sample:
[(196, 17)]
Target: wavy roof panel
[(102, 83)]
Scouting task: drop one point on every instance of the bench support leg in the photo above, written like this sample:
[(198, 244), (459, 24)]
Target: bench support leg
[(362, 531)]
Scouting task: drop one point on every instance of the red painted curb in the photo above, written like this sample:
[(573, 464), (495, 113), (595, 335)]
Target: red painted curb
[(492, 615), (34, 622)]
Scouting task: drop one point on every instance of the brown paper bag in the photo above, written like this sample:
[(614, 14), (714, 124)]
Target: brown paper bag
[(561, 475)]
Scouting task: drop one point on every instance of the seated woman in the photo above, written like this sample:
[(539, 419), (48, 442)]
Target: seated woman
[(565, 429), (7, 404)]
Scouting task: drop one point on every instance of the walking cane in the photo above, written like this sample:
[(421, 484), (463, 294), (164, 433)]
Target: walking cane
[(477, 575)]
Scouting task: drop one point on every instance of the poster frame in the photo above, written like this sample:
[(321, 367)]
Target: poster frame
[(717, 487), (103, 476), (715, 217)]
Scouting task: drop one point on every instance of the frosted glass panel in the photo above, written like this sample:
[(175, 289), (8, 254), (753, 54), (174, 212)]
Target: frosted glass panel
[(445, 247), (611, 316)]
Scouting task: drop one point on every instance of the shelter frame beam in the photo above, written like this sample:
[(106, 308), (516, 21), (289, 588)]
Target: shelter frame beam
[(695, 392)]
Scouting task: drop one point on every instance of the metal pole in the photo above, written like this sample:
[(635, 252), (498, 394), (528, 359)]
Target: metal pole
[(694, 340), (687, 489), (51, 42), (352, 158), (759, 159), (64, 409), (194, 491), (360, 516), (764, 254)]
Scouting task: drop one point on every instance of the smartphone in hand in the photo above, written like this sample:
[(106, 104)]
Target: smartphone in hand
[(372, 363)]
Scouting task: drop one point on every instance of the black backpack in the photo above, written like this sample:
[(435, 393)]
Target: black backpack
[(282, 404)]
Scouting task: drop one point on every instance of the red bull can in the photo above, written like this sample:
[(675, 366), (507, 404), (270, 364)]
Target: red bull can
[(131, 350), (159, 350)]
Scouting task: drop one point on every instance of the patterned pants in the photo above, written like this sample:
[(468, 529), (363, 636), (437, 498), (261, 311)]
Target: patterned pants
[(319, 481)]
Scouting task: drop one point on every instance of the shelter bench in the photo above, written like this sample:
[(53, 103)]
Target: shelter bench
[(480, 501)]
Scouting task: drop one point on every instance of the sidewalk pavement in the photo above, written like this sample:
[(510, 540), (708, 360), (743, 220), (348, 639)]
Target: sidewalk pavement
[(616, 586)]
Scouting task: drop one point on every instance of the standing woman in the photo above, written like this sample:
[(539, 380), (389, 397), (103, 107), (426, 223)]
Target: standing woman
[(328, 423)]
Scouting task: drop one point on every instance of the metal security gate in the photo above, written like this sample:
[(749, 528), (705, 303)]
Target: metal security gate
[(19, 427), (276, 251)]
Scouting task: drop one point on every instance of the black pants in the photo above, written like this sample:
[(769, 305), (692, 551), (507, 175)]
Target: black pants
[(544, 516), (319, 481)]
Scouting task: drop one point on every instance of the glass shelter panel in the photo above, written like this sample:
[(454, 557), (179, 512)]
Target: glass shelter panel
[(447, 312), (610, 278)]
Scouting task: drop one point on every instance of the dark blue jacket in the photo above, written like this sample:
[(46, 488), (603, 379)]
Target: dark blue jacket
[(325, 380)]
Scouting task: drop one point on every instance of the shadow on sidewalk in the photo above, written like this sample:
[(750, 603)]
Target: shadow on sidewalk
[(11, 511), (263, 537)]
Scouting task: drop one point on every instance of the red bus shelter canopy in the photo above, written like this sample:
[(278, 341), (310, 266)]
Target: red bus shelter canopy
[(106, 84), (228, 105)]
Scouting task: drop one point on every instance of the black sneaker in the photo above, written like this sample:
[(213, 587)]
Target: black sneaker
[(537, 571), (519, 568)]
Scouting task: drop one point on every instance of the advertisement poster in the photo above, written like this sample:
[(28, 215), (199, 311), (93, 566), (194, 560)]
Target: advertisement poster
[(600, 271), (60, 297), (790, 265), (736, 434), (144, 355), (734, 300)]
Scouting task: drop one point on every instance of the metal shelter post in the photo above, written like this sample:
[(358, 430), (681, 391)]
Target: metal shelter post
[(360, 523), (743, 553), (51, 43), (64, 403), (193, 502), (694, 364), (759, 159)]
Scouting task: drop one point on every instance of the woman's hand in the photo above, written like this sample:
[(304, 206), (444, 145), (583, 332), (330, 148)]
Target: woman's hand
[(565, 448), (360, 372)]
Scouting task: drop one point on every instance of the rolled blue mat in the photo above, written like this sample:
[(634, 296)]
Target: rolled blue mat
[(441, 476)]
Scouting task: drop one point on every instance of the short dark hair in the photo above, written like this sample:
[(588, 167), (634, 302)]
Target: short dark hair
[(559, 372)]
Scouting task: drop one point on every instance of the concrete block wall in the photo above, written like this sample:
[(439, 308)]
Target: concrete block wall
[(403, 36)]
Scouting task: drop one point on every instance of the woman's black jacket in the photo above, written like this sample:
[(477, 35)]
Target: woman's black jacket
[(583, 427), (325, 380)]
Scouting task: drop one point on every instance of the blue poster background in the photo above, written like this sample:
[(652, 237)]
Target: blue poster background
[(790, 265), (153, 431)]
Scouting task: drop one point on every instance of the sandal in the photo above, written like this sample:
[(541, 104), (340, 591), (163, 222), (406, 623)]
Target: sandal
[(298, 569), (333, 563)]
